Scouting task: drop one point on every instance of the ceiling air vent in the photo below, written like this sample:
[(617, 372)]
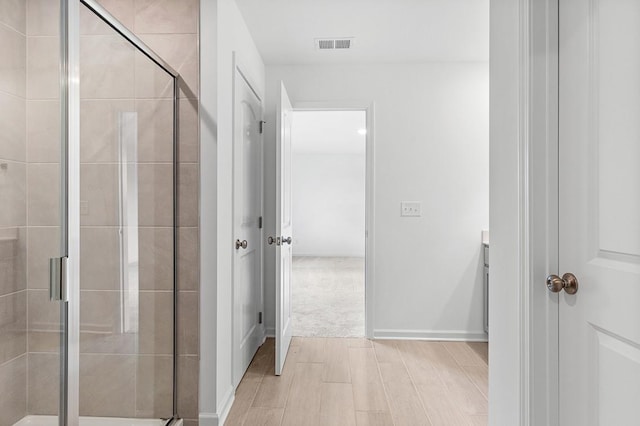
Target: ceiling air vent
[(334, 43)]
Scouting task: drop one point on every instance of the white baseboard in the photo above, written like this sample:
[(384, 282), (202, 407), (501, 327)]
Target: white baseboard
[(225, 406), (208, 419), (447, 336), (218, 419), (270, 332)]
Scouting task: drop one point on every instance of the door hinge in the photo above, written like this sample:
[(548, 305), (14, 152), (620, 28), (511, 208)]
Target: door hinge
[(262, 123), (259, 317), (260, 222)]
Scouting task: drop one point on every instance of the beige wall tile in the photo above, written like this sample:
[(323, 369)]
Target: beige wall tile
[(188, 260), (13, 388), (13, 208), (106, 67), (43, 18), (156, 322), (99, 190), (188, 194), (44, 194), (12, 128), (100, 129), (43, 64), (107, 385), (43, 131), (13, 260), (122, 10), (13, 65), (43, 243), (156, 258), (181, 52), (155, 197), (13, 325), (151, 81), (44, 383), (188, 386), (155, 130), (14, 14), (154, 387), (44, 322), (100, 262), (188, 146), (166, 16), (188, 308), (100, 324)]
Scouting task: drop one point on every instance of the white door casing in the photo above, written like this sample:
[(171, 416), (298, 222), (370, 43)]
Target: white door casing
[(247, 210), (284, 235), (599, 228)]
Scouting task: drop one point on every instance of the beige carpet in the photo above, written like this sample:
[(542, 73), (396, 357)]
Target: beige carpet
[(328, 296)]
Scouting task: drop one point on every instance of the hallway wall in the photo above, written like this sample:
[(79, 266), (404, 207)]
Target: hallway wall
[(431, 145)]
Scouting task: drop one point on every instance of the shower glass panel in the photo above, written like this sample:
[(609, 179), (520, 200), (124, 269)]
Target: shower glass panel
[(126, 227), (31, 326)]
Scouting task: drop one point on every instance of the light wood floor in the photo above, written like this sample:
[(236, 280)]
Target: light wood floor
[(353, 381)]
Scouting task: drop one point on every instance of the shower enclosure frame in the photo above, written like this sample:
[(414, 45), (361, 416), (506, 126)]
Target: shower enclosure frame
[(67, 287)]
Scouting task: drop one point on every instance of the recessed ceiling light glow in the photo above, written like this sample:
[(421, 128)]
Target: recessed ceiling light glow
[(362, 132)]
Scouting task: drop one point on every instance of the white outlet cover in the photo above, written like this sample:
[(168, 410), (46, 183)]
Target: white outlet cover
[(411, 209)]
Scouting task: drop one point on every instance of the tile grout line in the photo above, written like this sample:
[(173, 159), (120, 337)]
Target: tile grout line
[(467, 374), (384, 387), (413, 383)]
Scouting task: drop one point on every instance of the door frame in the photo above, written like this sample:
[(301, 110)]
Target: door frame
[(369, 279), (239, 68), (523, 345)]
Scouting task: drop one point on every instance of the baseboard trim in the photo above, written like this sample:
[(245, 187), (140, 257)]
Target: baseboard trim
[(208, 419), (218, 419), (447, 336), (225, 407), (270, 332)]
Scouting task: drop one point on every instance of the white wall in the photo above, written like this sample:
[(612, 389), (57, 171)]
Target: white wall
[(328, 204), (223, 32), (431, 145)]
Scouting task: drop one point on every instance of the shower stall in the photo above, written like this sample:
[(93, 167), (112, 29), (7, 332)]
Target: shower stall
[(88, 133)]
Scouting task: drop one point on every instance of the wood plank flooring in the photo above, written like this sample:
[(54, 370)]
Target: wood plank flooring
[(357, 382)]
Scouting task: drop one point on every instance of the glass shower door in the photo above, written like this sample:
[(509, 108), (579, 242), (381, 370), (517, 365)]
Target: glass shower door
[(32, 325), (126, 285)]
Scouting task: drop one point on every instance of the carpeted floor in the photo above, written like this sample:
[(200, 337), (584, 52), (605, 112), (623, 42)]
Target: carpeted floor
[(328, 296)]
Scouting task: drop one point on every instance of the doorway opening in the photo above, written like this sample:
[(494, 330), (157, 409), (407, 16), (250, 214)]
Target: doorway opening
[(329, 178)]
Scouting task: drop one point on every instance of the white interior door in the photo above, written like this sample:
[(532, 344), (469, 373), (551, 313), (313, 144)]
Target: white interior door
[(283, 238), (599, 336), (247, 209)]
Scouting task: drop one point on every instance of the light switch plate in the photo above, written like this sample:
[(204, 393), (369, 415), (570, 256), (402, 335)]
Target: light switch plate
[(411, 208)]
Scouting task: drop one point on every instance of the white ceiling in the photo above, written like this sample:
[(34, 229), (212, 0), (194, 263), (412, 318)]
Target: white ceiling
[(328, 132), (385, 30)]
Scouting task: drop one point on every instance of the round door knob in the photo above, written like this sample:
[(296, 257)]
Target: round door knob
[(244, 244), (568, 282), (271, 240), (286, 240)]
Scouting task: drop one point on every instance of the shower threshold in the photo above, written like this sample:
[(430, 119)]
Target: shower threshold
[(94, 421)]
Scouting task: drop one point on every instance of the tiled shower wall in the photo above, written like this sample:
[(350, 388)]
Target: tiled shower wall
[(28, 100), (13, 216)]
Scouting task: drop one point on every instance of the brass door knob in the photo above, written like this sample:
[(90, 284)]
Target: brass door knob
[(568, 282), (244, 244)]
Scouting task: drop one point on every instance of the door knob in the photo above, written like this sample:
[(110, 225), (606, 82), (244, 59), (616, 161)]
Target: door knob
[(244, 244), (568, 282), (271, 240), (286, 240)]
